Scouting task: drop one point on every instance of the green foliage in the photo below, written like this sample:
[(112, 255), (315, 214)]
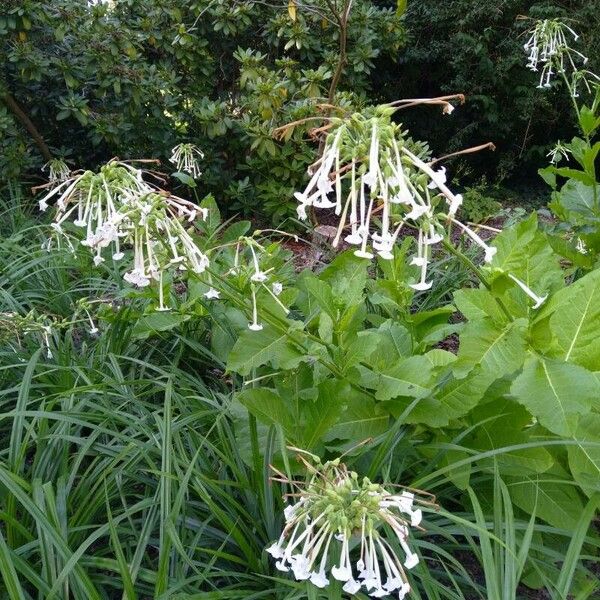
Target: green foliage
[(576, 191), (136, 461), (134, 78), (463, 46), (478, 204)]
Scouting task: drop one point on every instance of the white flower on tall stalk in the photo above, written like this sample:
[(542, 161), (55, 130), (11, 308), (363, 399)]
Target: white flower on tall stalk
[(348, 529), (58, 170), (117, 208), (548, 46), (538, 300), (559, 152), (185, 158), (383, 185)]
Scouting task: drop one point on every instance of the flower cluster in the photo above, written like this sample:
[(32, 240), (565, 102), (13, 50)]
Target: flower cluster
[(117, 207), (336, 514), (185, 158), (58, 170), (382, 181), (548, 46), (377, 181), (247, 272)]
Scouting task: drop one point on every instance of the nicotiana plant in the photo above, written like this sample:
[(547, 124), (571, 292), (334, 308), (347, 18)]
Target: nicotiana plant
[(380, 181), (549, 47), (117, 208), (186, 158), (333, 512), (575, 203)]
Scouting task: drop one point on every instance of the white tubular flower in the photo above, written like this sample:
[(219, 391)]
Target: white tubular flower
[(255, 325), (185, 158), (489, 251), (335, 507), (549, 47), (381, 182), (438, 178), (212, 294), (559, 152), (538, 300), (58, 170), (258, 276), (422, 285)]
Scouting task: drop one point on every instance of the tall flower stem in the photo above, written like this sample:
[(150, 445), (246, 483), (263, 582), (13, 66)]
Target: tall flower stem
[(573, 100), (279, 324), (478, 273)]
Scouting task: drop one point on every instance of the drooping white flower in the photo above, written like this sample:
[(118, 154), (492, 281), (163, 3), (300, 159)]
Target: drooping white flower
[(538, 300), (490, 251), (548, 46), (185, 158), (254, 325), (58, 170), (334, 507)]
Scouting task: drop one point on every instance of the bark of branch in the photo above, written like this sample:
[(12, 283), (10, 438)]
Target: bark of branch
[(14, 107)]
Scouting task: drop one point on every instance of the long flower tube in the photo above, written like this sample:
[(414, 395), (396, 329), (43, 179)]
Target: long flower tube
[(335, 512), (383, 182)]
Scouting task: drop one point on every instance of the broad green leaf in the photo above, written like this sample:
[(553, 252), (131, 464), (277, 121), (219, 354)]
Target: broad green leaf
[(268, 346), (451, 400), (478, 303), (498, 350), (324, 412), (305, 422), (576, 201), (347, 276), (362, 419), (268, 407), (322, 294), (401, 7), (185, 179), (235, 231), (395, 344), (440, 358), (588, 120), (213, 220), (500, 422), (412, 377), (523, 252), (556, 503), (155, 322), (556, 393), (512, 244), (363, 346), (568, 249), (567, 327), (584, 459)]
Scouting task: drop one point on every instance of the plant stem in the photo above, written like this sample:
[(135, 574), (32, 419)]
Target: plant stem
[(477, 272), (14, 107), (342, 19)]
